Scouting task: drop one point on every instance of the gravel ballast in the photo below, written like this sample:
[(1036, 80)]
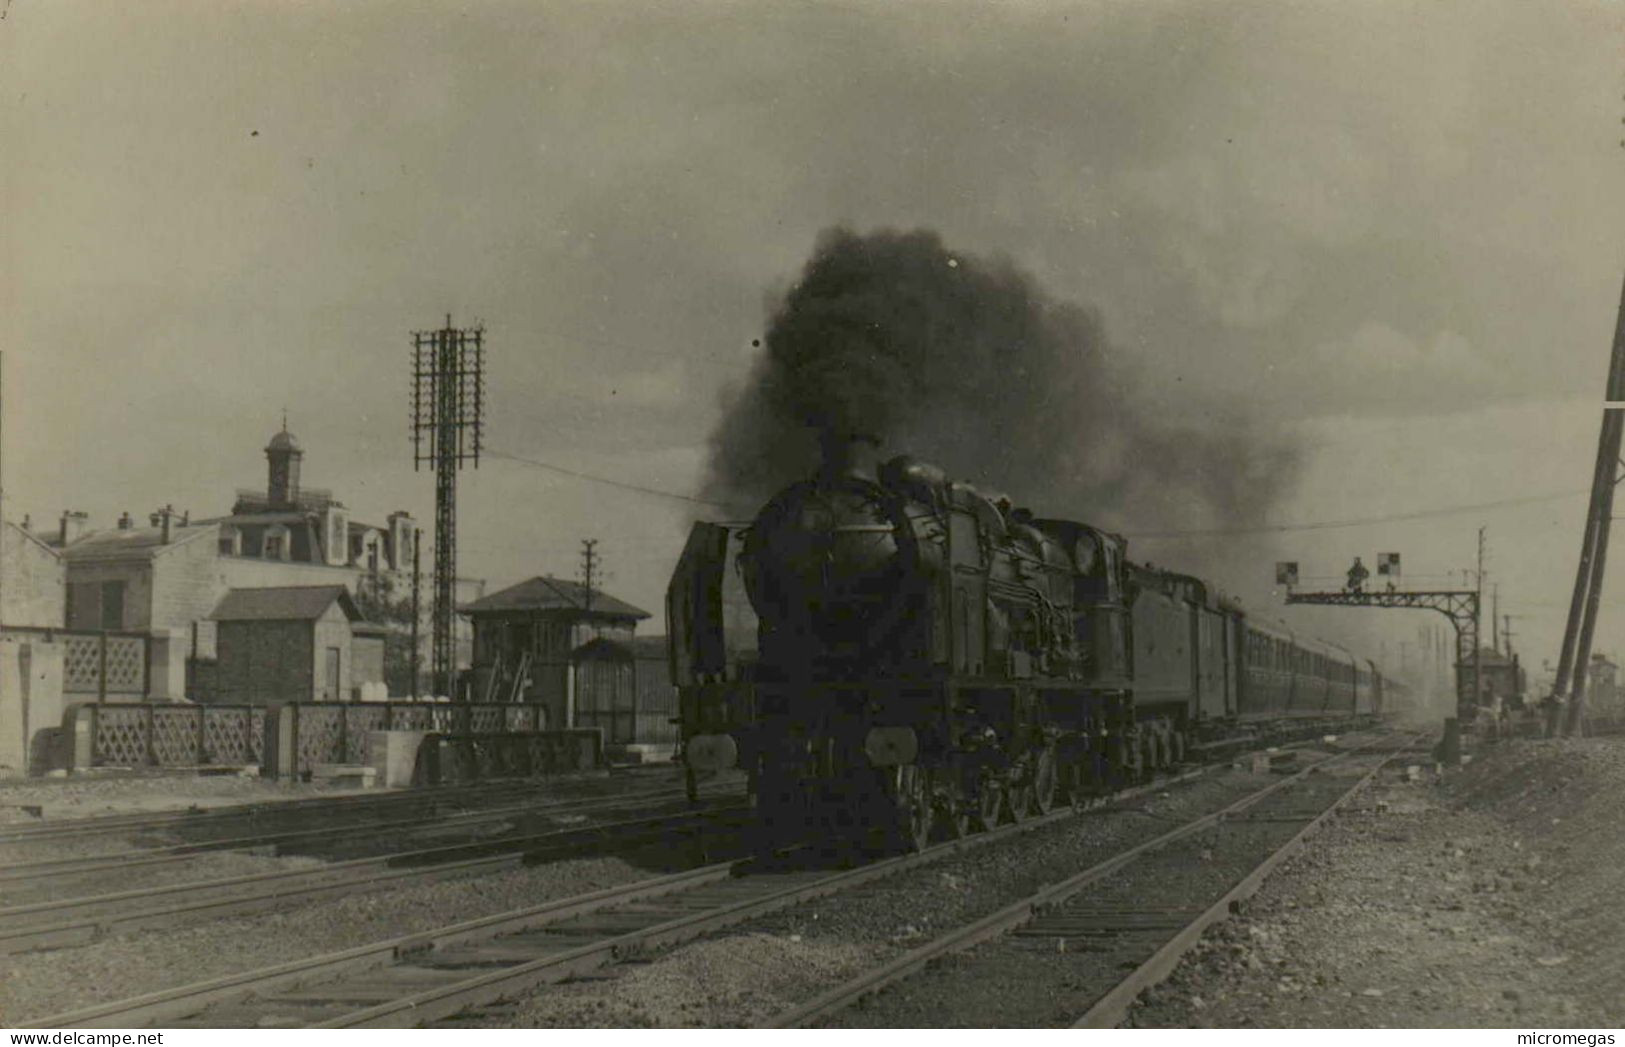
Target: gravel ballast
[(821, 943), (126, 965)]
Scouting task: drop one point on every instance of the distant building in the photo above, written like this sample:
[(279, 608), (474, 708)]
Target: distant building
[(167, 578), (292, 524), (560, 645), (1602, 684), (657, 698), (1502, 682), (32, 592), (32, 580)]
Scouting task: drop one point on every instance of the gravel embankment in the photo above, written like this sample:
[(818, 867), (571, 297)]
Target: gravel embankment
[(1490, 900)]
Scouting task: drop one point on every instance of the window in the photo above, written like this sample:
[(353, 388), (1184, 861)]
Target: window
[(96, 605), (273, 547), (112, 605)]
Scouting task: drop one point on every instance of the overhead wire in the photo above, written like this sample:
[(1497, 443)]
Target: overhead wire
[(610, 482), (1327, 525), (1318, 525)]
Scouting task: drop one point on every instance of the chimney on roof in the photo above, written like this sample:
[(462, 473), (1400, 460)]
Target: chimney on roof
[(124, 522), (186, 518), (28, 522), (72, 525), (165, 514)]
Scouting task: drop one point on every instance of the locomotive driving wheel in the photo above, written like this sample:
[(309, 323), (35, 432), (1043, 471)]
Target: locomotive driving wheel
[(1045, 780), (1019, 790), (916, 806), (954, 811), (989, 802)]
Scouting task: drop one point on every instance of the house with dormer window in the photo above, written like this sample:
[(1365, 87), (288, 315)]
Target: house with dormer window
[(166, 579)]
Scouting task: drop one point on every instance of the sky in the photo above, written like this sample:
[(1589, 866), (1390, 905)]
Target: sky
[(1389, 231)]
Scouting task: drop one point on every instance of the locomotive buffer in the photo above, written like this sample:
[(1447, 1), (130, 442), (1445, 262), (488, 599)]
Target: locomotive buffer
[(1458, 605)]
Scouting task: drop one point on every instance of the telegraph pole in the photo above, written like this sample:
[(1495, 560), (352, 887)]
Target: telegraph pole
[(1478, 644), (448, 407), (3, 489), (589, 563), (1495, 617), (1582, 622)]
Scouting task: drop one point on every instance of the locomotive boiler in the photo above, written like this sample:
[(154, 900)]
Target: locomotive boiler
[(929, 659)]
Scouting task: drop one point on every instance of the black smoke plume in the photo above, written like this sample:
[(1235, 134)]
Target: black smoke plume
[(966, 362)]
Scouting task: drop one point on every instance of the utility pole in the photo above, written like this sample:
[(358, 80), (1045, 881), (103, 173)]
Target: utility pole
[(3, 492), (448, 409), (589, 564), (1495, 617), (1582, 622), (1478, 645)]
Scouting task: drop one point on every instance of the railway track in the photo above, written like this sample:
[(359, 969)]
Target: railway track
[(16, 878), (1148, 917), (230, 819), (435, 975), (61, 922)]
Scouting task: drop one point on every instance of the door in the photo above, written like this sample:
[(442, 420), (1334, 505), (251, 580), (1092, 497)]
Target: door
[(331, 692)]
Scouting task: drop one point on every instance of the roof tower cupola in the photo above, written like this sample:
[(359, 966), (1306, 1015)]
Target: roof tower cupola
[(283, 455)]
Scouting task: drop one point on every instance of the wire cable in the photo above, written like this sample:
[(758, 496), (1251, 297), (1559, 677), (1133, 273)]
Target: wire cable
[(607, 481), (1327, 525)]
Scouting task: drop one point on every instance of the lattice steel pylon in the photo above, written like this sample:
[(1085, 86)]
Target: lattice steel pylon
[(448, 412), (1458, 605)]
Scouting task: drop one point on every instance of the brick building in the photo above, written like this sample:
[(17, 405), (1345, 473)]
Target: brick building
[(557, 643), (293, 644)]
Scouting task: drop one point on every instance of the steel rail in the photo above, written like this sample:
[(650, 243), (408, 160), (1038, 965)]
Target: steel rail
[(434, 795), (446, 1000), (172, 1004), (442, 1001), (98, 825), (77, 922), (1003, 920), (1110, 1010), (170, 853)]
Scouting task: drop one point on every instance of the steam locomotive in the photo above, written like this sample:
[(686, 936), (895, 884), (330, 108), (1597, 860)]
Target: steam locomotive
[(928, 660)]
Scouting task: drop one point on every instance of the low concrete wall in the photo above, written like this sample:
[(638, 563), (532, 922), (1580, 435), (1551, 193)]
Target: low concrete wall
[(394, 756), (31, 705), (456, 758)]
